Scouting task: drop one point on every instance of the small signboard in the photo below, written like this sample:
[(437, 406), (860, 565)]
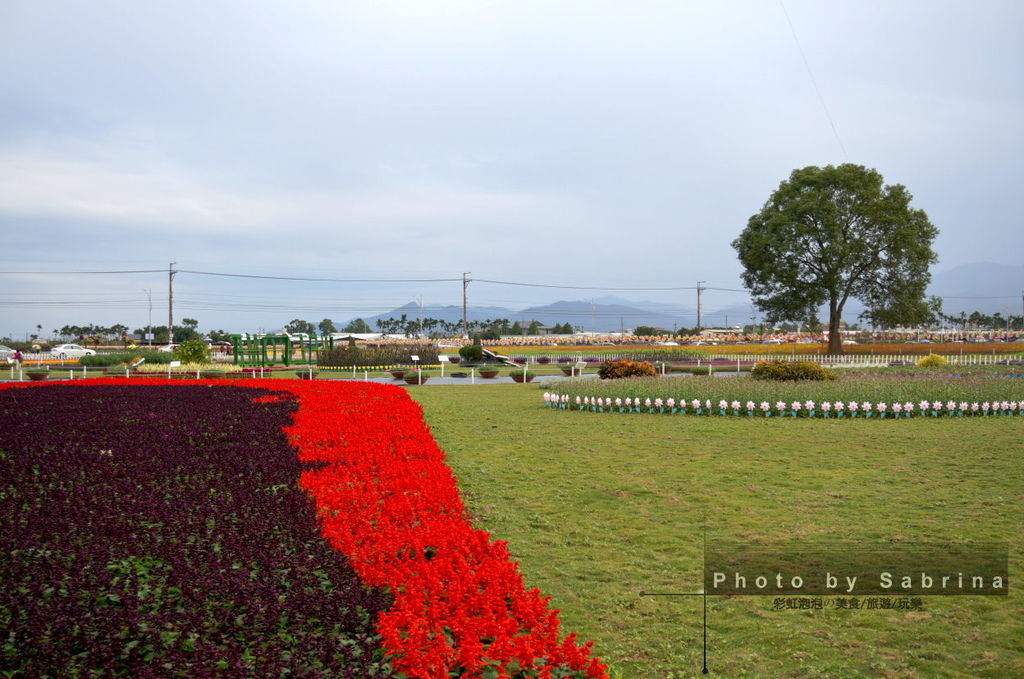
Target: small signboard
[(443, 359), (174, 364), (414, 357)]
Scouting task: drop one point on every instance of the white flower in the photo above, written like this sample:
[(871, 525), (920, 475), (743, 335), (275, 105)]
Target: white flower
[(963, 405), (765, 406), (881, 407), (796, 405), (826, 406), (838, 405), (696, 404), (735, 405), (853, 405), (809, 405), (722, 405), (618, 402), (658, 403), (647, 402), (780, 405), (865, 406), (950, 405), (750, 405), (671, 403), (897, 407)]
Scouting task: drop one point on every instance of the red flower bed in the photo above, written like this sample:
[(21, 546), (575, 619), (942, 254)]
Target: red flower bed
[(390, 504), (387, 502)]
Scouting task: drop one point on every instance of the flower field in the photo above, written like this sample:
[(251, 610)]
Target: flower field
[(166, 529)]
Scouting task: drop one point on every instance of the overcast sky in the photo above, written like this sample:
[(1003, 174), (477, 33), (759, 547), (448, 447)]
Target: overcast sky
[(618, 144)]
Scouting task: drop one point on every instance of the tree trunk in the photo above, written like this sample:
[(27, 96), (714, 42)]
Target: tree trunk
[(835, 340)]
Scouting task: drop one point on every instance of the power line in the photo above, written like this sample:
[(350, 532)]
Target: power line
[(322, 280), (575, 287), (71, 273), (814, 82)]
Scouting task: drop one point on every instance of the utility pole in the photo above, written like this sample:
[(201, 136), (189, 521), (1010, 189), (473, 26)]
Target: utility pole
[(593, 322), (170, 302), (419, 319), (465, 320), (699, 290), (149, 328)]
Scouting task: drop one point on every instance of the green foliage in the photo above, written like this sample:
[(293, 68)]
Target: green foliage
[(624, 368), (791, 371), (389, 354), (300, 327), (103, 360), (358, 326), (931, 361), (192, 351), (471, 352), (326, 327), (648, 331), (829, 234)]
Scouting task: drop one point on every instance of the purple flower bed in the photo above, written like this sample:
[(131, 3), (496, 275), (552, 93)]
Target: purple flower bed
[(158, 531)]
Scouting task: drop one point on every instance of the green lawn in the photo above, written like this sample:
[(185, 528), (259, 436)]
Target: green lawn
[(599, 507)]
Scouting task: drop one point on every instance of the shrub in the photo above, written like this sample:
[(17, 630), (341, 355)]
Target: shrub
[(614, 370), (931, 361), (192, 351), (117, 358), (472, 352), (389, 354), (790, 371)]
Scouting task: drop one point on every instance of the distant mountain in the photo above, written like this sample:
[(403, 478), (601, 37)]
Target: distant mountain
[(451, 313), (980, 286)]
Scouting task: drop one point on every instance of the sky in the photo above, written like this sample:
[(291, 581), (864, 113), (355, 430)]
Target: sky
[(590, 144)]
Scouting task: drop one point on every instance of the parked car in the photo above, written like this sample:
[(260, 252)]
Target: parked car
[(168, 348), (63, 351)]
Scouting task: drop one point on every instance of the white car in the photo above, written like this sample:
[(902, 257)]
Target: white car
[(63, 351)]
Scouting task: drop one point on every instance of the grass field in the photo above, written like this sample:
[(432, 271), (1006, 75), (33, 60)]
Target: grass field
[(598, 508)]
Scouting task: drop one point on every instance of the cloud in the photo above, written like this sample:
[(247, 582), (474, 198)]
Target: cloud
[(95, 186)]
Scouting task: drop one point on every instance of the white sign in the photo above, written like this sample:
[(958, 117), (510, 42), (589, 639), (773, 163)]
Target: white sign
[(443, 359), (415, 357), (149, 336), (174, 364)]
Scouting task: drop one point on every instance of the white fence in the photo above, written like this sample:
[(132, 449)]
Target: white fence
[(869, 359)]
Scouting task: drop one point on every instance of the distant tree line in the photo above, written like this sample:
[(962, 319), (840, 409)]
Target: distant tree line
[(97, 334), (434, 328)]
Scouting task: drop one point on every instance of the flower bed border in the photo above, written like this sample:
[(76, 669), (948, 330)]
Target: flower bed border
[(807, 409)]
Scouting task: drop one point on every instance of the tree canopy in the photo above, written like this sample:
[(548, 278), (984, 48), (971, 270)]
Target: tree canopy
[(834, 233), (358, 326)]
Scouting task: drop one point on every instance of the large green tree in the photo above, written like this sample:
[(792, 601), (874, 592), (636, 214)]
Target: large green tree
[(300, 327), (358, 326), (828, 234)]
